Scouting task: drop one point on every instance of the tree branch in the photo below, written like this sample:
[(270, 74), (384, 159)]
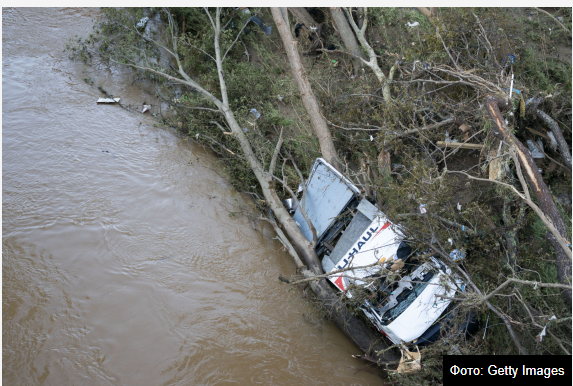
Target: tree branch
[(563, 148), (276, 153), (554, 19)]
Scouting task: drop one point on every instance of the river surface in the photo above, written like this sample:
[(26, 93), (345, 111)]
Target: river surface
[(120, 262)]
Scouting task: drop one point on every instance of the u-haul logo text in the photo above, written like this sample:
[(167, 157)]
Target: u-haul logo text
[(370, 233)]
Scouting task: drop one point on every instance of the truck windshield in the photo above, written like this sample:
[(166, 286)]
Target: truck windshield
[(405, 299)]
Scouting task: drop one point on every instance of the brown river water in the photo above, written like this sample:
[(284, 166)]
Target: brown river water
[(120, 262)]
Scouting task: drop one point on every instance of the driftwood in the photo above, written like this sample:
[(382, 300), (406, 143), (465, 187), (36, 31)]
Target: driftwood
[(539, 188)]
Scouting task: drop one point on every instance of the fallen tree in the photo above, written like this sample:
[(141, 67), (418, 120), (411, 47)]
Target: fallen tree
[(547, 210)]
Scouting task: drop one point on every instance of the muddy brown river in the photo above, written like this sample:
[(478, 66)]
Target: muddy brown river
[(120, 262)]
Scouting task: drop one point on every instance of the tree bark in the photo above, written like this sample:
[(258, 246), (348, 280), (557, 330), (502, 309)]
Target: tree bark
[(431, 13), (540, 190), (554, 127), (309, 100), (348, 37), (301, 15)]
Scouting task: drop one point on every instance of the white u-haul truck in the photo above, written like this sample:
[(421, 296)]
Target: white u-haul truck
[(353, 233)]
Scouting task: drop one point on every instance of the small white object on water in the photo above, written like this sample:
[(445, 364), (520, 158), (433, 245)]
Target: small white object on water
[(146, 108), (414, 24), (101, 101)]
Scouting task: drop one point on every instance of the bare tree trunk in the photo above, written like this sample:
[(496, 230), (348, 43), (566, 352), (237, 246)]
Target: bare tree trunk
[(540, 190), (431, 13), (347, 37), (373, 61), (301, 15), (318, 123)]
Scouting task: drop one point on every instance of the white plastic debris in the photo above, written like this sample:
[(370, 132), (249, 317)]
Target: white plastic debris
[(447, 137), (486, 322), (103, 101), (543, 332), (451, 241), (459, 207), (197, 136), (414, 24), (142, 22), (535, 152), (146, 108), (371, 138), (423, 208), (256, 113), (511, 87)]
